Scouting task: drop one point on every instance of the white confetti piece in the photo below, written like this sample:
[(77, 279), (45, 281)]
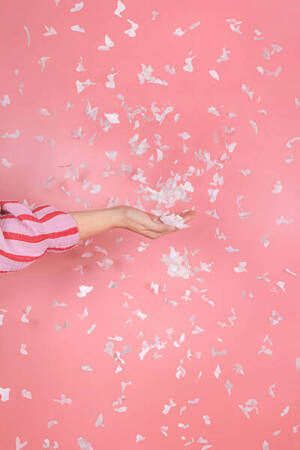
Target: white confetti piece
[(285, 411), (174, 220), (224, 56), (5, 101), (214, 74), (63, 400), (291, 141), (84, 314), (216, 353), (194, 25), (42, 61), (213, 110), (81, 85), (238, 369), (84, 444), (182, 425), (197, 330), (51, 423), (170, 192), (23, 349), (112, 117), (235, 25), (205, 267), (180, 372), (50, 31), (179, 32), (112, 155), (241, 267), (121, 409), (170, 70), (111, 83), (118, 369), (146, 75), (6, 163), (4, 393), (167, 407), (84, 290), (247, 90), (77, 28), (108, 44), (139, 176), (120, 8), (139, 438), (217, 372), (254, 125), (91, 112), (155, 287), (131, 32), (178, 265), (207, 420), (26, 394), (96, 188), (90, 330), (271, 390), (186, 297), (275, 318), (116, 338), (185, 135), (230, 147), (14, 135), (99, 422), (257, 35), (188, 67), (19, 444), (164, 430), (47, 444), (181, 340), (140, 314), (171, 302), (281, 285), (249, 406), (124, 385), (77, 7), (212, 194), (24, 318), (28, 35), (228, 387)]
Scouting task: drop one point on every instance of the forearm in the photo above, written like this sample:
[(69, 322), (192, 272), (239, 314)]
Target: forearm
[(93, 222)]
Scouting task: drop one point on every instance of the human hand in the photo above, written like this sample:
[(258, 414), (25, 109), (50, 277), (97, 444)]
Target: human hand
[(148, 224)]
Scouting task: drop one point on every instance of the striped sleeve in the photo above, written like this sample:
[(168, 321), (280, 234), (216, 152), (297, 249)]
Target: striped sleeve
[(26, 235)]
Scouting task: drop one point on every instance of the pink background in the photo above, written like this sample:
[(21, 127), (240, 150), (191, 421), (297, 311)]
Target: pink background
[(224, 356)]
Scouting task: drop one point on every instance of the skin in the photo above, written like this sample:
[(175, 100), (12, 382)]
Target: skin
[(93, 222)]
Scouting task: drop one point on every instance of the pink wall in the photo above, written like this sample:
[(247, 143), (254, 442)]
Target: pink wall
[(221, 365)]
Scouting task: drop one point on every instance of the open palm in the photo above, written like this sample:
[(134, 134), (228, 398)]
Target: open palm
[(148, 224)]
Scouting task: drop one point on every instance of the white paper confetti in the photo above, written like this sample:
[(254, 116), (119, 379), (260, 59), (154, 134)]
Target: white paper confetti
[(178, 265), (214, 74), (84, 290), (4, 393)]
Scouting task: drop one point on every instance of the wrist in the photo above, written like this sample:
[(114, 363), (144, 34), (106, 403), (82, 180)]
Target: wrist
[(118, 215)]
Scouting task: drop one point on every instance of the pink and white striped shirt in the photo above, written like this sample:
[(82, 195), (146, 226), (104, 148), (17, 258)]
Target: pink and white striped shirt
[(26, 235)]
